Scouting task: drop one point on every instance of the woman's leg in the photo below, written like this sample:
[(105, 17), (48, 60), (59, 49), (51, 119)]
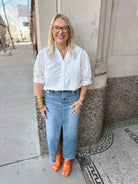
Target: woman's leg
[(59, 151), (70, 132), (59, 157), (53, 124), (70, 126), (70, 135)]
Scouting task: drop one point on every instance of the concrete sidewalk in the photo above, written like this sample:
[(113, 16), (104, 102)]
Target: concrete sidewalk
[(20, 159)]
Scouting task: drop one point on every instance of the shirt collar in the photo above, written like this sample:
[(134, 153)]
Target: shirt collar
[(57, 52), (56, 46)]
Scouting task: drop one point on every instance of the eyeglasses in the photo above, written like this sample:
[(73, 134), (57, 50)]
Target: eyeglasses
[(65, 29)]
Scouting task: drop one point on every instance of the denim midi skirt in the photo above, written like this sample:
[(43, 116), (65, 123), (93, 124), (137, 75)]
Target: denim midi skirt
[(59, 104)]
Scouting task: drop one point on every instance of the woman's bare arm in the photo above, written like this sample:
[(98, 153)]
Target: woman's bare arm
[(79, 103), (39, 93), (39, 89), (83, 93)]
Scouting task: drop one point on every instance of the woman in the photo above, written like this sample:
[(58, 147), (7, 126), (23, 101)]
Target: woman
[(61, 74)]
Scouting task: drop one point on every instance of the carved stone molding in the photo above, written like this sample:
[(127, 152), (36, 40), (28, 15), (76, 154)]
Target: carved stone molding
[(103, 36)]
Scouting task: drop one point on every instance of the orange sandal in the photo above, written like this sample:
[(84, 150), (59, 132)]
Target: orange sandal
[(66, 168), (57, 164)]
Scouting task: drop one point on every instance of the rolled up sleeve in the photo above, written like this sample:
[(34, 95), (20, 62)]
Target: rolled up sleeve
[(86, 73), (39, 70)]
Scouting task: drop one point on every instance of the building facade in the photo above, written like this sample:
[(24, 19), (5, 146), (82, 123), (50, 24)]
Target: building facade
[(107, 30), (2, 33)]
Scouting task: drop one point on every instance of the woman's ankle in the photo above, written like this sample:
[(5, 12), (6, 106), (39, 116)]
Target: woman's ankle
[(59, 155)]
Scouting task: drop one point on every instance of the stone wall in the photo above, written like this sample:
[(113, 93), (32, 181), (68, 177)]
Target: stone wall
[(91, 118), (121, 99)]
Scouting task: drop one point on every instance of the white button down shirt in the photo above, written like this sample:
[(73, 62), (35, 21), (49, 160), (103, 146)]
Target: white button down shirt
[(62, 74)]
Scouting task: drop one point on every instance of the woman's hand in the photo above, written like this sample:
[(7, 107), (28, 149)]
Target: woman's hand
[(77, 108), (44, 111)]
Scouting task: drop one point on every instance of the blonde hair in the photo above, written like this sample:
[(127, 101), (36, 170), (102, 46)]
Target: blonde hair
[(70, 42)]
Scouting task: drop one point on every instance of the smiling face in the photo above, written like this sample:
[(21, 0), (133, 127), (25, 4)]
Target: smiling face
[(60, 36)]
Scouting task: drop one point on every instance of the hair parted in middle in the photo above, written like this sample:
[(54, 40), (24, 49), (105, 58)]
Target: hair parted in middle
[(70, 42)]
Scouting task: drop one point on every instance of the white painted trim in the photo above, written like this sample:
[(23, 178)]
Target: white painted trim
[(38, 24), (113, 26), (103, 37), (59, 6)]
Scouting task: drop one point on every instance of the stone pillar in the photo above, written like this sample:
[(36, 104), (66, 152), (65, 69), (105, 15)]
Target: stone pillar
[(92, 114), (45, 10), (93, 38), (102, 46)]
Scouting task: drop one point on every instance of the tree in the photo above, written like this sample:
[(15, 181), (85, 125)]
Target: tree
[(8, 28)]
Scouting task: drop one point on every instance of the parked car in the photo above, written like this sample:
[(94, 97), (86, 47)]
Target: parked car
[(7, 42), (23, 38), (17, 39)]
